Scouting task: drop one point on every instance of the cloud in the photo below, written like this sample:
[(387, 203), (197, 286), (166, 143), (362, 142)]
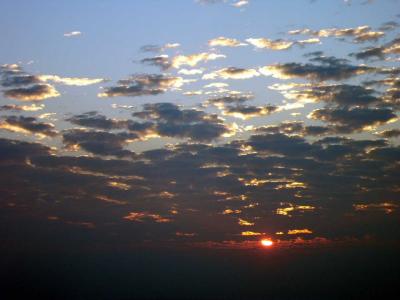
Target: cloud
[(355, 119), (249, 111), (204, 180), (36, 92), (94, 120), (27, 87), (190, 72), (230, 99), (194, 59), (27, 125), (231, 73), (388, 26), (359, 34), (157, 48), (72, 33), (225, 42), (264, 43), (76, 81), (296, 127), (380, 52), (390, 133), (13, 107), (240, 3), (281, 144), (343, 95), (308, 41), (172, 121), (143, 85), (23, 86), (99, 142), (143, 216), (328, 68), (18, 151), (161, 61)]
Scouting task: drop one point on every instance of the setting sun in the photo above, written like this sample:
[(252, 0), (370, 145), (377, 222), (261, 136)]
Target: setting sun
[(267, 243)]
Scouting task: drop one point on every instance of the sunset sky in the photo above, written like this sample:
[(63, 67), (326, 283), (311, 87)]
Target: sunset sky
[(198, 126)]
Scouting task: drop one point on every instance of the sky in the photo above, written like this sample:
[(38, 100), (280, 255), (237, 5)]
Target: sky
[(220, 130)]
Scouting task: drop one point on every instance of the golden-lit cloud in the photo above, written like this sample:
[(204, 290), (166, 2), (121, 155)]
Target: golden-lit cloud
[(359, 34), (289, 210), (250, 233), (37, 92), (232, 73), (143, 216), (243, 222), (300, 231), (70, 80), (13, 107), (264, 43), (194, 59), (225, 42), (386, 207)]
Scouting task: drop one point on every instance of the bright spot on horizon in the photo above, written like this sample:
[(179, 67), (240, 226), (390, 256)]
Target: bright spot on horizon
[(267, 242)]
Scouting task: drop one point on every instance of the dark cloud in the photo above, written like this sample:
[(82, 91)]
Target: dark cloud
[(33, 93), (249, 111), (27, 124), (158, 61), (19, 79), (151, 48), (193, 186), (328, 68), (390, 25), (14, 107), (296, 127), (172, 121), (99, 142), (162, 119), (95, 120), (390, 133), (368, 53), (23, 86), (230, 99), (343, 95), (18, 151), (281, 144), (143, 85), (351, 120), (380, 52)]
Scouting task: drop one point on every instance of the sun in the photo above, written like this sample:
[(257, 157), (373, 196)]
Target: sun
[(267, 242)]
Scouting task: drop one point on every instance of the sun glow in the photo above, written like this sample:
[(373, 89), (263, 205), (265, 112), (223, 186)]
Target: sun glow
[(267, 242)]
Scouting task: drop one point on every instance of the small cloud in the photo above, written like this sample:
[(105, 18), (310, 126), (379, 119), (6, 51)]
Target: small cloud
[(263, 43), (240, 3), (225, 42), (72, 33), (232, 73), (77, 81), (194, 59)]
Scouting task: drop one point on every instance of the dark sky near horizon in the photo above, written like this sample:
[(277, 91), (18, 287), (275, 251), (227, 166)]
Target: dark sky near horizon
[(204, 125)]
